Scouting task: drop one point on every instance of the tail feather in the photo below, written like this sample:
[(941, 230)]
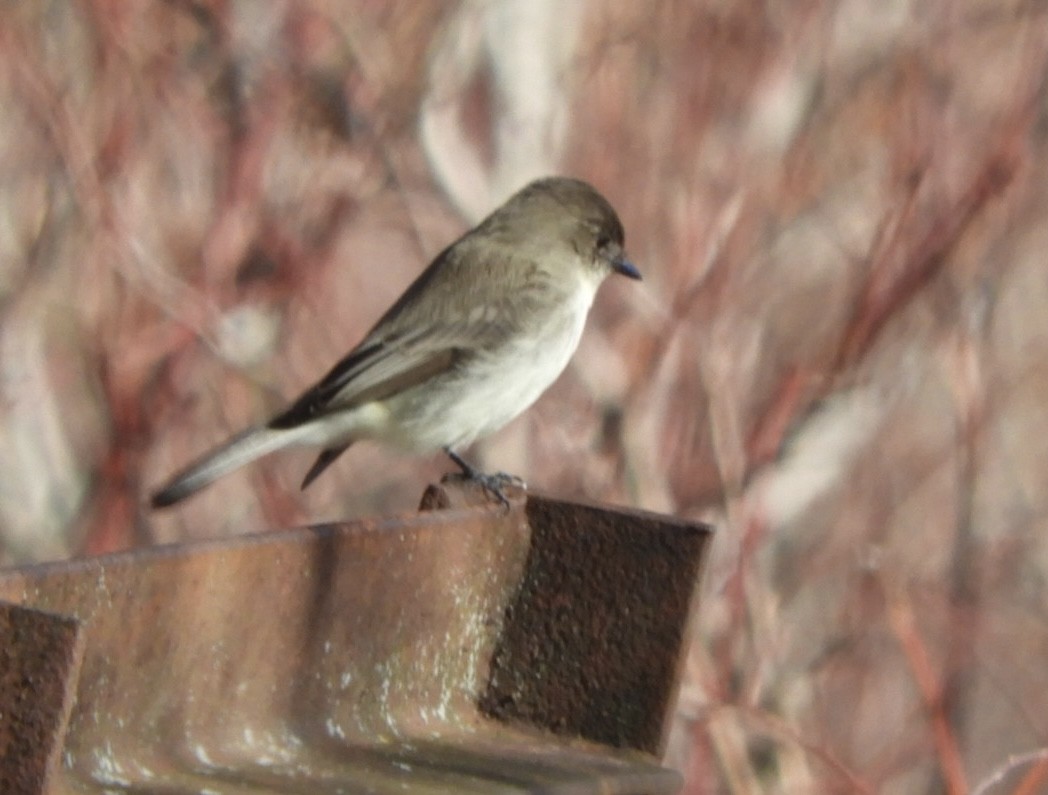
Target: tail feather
[(242, 449), (324, 460)]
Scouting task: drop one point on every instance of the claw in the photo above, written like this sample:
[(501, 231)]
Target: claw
[(493, 484)]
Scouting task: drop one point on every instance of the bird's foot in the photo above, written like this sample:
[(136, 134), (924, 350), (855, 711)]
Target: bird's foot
[(494, 483)]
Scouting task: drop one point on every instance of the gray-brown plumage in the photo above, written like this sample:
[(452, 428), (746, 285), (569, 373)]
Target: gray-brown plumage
[(474, 341)]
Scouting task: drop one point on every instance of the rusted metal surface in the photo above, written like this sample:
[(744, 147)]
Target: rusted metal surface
[(607, 602), (433, 653), (40, 656)]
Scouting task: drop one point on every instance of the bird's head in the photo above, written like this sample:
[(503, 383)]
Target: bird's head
[(564, 214)]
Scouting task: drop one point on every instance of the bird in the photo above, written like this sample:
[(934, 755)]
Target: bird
[(479, 335)]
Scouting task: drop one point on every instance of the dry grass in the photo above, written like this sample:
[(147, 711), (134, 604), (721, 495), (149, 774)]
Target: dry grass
[(838, 355)]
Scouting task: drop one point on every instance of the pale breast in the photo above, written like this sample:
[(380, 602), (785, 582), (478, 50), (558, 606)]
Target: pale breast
[(453, 410)]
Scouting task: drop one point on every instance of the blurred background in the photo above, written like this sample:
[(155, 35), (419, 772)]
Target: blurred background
[(839, 354)]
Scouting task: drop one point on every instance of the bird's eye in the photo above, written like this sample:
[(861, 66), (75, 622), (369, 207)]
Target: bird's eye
[(603, 242)]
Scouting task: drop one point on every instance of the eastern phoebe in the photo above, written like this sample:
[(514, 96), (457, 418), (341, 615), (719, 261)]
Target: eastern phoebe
[(474, 341)]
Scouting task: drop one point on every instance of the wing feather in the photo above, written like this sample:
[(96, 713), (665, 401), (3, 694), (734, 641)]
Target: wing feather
[(420, 337)]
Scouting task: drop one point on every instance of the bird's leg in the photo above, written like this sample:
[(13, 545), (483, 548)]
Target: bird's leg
[(493, 484)]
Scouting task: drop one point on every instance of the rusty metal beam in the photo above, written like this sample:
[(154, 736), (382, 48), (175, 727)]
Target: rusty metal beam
[(467, 649), (40, 656)]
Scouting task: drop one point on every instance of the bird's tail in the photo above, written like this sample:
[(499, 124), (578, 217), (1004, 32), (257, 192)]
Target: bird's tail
[(242, 449)]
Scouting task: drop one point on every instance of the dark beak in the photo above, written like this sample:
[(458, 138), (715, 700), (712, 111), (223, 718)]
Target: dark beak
[(622, 265)]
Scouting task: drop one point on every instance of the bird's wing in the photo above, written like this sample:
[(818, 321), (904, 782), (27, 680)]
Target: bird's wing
[(377, 369), (418, 338), (373, 371)]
